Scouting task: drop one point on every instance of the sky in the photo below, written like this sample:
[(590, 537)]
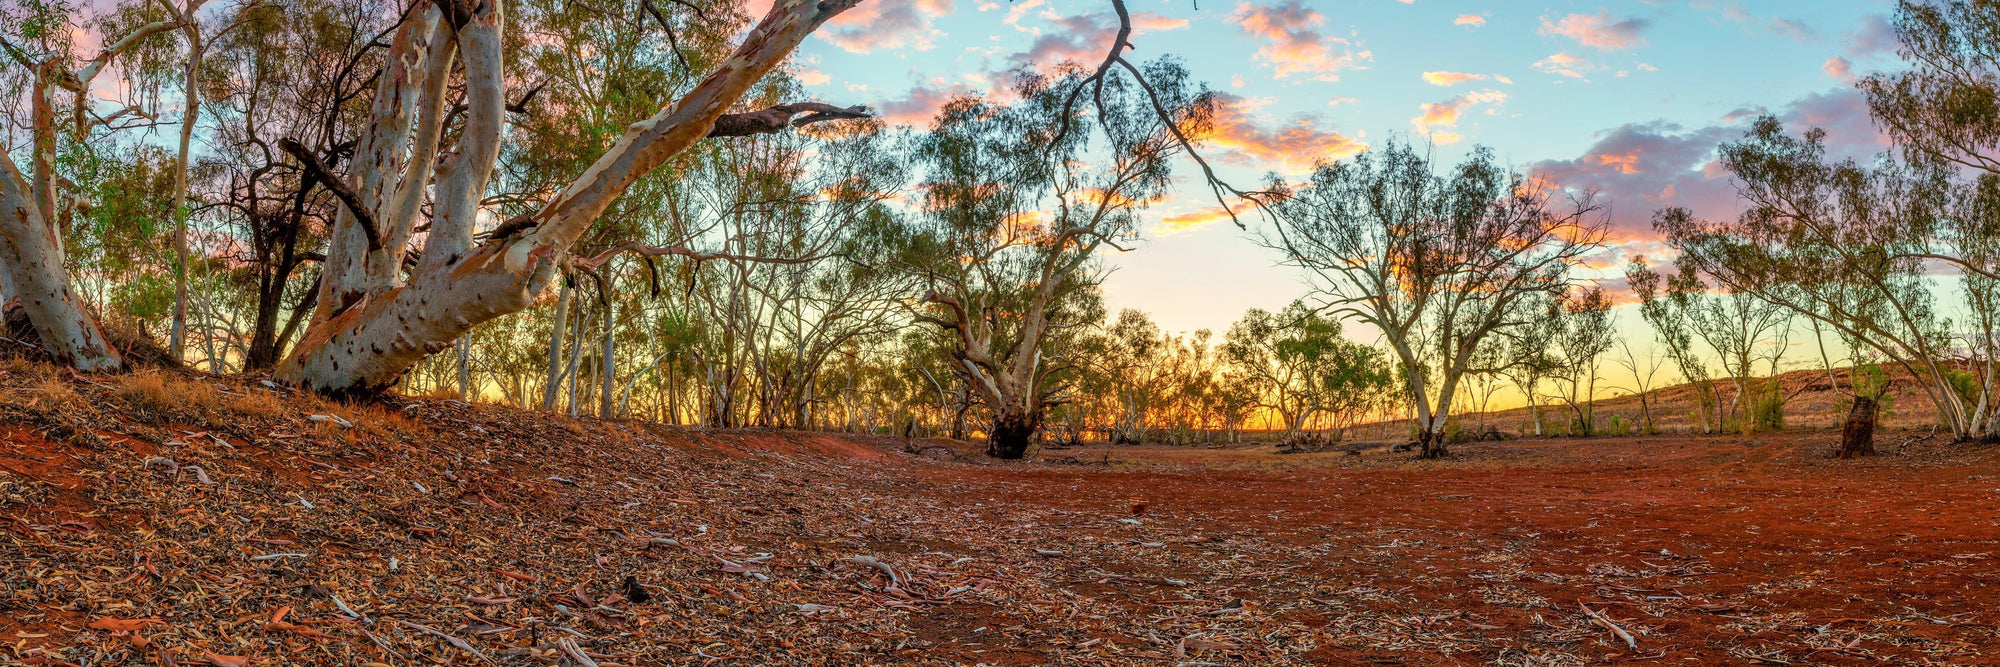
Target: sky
[(1626, 97)]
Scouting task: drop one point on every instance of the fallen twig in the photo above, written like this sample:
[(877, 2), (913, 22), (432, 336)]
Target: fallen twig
[(870, 561), (1605, 621), (454, 640)]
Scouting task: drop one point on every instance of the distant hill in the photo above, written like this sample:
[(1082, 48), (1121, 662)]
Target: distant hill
[(1813, 404)]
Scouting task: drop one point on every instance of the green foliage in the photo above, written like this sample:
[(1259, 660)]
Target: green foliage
[(1766, 404), (1616, 426), (1297, 363)]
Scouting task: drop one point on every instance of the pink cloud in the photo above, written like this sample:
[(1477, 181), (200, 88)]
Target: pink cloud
[(887, 25), (1838, 68), (1876, 35), (1085, 38), (1473, 20), (1599, 31), (1640, 168), (918, 107), (1293, 43)]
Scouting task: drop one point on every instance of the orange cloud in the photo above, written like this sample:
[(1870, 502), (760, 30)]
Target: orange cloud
[(1180, 223), (1445, 114), (1839, 68), (1627, 163), (1294, 44), (1291, 146), (1473, 20), (1451, 78), (1598, 30), (1563, 64)]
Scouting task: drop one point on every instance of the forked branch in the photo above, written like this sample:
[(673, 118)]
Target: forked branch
[(346, 194)]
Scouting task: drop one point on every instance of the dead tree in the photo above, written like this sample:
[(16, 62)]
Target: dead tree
[(1857, 436)]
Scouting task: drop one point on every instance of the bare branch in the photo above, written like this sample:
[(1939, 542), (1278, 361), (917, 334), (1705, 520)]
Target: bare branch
[(778, 117), (347, 196)]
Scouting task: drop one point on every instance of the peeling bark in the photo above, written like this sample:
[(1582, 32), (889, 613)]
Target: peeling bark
[(32, 260), (370, 327)]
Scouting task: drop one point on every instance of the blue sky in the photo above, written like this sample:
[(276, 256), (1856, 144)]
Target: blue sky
[(1629, 98)]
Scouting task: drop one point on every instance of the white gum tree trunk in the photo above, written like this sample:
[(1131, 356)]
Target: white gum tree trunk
[(373, 325), (31, 253)]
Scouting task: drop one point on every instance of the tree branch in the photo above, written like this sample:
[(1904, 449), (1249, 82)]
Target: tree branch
[(319, 171), (776, 118)]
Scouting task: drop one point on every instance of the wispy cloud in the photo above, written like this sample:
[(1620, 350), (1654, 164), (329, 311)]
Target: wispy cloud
[(1293, 44), (1239, 137), (1564, 64), (1451, 78), (1600, 31)]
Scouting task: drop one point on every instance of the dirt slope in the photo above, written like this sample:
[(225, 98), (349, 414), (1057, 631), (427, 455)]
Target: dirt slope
[(157, 520)]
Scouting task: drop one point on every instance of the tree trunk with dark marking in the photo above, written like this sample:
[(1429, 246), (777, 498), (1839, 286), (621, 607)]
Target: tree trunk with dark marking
[(1857, 436)]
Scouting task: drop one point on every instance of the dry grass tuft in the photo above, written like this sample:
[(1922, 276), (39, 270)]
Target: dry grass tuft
[(156, 396), (57, 393), (256, 404)]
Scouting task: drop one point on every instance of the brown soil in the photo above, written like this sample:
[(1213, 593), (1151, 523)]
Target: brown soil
[(511, 533)]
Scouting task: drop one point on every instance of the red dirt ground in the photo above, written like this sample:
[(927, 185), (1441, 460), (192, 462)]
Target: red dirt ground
[(511, 531)]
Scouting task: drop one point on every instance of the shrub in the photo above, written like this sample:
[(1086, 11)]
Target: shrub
[(1767, 406), (1616, 426)]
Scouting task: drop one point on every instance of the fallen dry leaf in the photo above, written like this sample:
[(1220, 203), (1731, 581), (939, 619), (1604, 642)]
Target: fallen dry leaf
[(123, 624)]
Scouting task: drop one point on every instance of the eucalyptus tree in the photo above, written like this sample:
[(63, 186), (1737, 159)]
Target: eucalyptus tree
[(40, 38), (1644, 374), (1019, 200), (1667, 304), (1847, 245), (1296, 363), (1942, 104), (374, 320), (294, 70), (1527, 360), (1585, 332), (1437, 262)]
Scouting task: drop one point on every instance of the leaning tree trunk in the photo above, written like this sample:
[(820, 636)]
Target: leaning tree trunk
[(1011, 432), (31, 255), (1857, 436), (372, 325)]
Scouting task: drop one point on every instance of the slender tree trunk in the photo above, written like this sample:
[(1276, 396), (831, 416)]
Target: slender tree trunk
[(189, 115), (465, 367), (556, 327), (1535, 414), (958, 418), (605, 408), (575, 361)]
